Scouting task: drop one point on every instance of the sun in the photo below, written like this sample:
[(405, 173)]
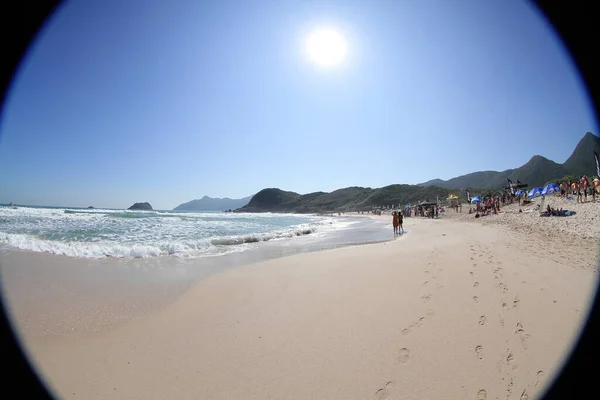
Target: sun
[(326, 47)]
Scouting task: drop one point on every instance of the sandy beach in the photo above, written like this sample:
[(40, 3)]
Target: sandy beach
[(455, 309)]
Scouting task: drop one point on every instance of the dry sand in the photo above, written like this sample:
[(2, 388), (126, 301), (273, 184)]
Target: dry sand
[(451, 310)]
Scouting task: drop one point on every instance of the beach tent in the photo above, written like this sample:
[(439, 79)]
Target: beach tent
[(550, 188), (535, 192)]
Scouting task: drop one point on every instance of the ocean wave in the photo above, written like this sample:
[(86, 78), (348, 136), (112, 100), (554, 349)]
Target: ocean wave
[(179, 248), (201, 248), (263, 237), (89, 234), (137, 214)]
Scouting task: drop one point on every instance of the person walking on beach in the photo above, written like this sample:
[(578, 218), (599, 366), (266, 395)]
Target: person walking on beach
[(400, 220), (395, 222), (584, 187)]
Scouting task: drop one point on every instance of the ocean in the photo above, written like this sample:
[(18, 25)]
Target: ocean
[(124, 234)]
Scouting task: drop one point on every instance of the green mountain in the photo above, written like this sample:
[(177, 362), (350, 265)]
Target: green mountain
[(536, 172), (211, 204), (581, 162), (342, 200)]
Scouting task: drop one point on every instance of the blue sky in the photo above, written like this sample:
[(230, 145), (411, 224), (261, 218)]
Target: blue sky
[(119, 102)]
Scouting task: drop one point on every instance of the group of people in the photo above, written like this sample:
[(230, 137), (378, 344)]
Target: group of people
[(397, 219), (581, 188), (427, 211), (457, 206), (488, 205), (556, 212)]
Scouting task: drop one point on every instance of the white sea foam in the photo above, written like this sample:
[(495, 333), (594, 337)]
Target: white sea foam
[(95, 233)]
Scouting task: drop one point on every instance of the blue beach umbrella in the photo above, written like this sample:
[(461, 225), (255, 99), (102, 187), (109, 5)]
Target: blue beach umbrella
[(535, 192), (520, 192), (550, 188), (476, 199)]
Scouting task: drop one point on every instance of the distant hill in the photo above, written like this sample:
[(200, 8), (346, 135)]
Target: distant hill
[(536, 172), (342, 200), (581, 162), (212, 204)]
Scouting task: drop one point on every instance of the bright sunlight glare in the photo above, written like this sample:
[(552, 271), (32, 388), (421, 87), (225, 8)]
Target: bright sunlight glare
[(326, 47)]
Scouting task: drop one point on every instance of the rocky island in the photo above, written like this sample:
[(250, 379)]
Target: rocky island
[(141, 206)]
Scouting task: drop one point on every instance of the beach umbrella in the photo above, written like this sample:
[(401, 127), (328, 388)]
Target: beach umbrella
[(535, 192), (476, 199), (520, 192), (550, 188)]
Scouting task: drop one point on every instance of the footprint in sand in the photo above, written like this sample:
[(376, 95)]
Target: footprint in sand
[(425, 299), (481, 395), (425, 283), (386, 391), (523, 336), (476, 284), (509, 388), (539, 375), (476, 299), (519, 328), (504, 305), (524, 395), (516, 301), (403, 356), (510, 360), (478, 350), (471, 273), (502, 287), (482, 320), (417, 324), (501, 321), (498, 273)]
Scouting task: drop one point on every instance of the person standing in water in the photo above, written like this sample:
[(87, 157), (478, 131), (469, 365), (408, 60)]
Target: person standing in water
[(395, 222)]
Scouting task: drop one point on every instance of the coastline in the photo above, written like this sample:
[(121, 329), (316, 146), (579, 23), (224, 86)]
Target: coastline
[(374, 321), (39, 286)]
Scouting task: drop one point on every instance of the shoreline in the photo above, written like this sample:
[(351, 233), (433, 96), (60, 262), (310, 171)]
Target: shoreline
[(343, 323), (112, 291)]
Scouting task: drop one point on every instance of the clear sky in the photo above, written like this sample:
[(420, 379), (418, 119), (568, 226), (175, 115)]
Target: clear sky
[(167, 101)]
